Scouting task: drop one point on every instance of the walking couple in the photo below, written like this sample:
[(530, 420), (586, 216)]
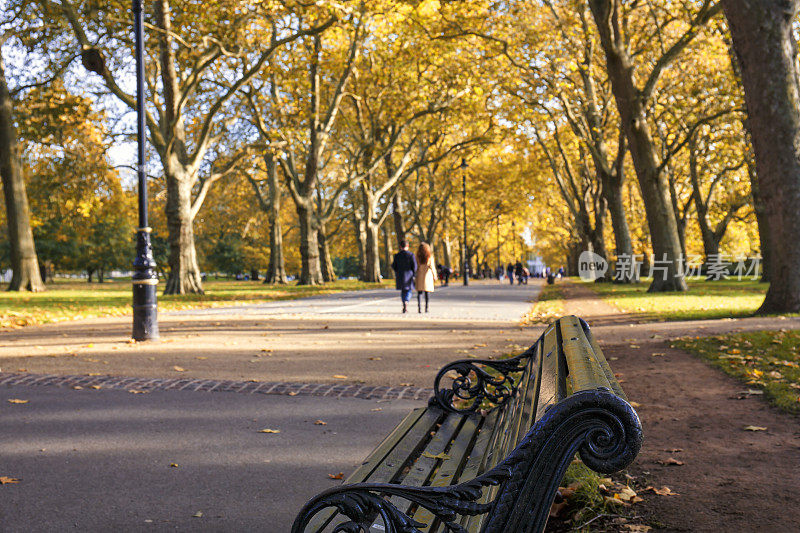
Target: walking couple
[(414, 271)]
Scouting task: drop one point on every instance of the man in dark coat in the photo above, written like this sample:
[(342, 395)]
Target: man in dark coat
[(405, 268)]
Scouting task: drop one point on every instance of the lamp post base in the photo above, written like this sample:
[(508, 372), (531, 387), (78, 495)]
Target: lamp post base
[(145, 310)]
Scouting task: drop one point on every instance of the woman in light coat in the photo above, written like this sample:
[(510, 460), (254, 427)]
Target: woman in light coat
[(426, 274)]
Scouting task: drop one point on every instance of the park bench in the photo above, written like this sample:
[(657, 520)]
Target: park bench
[(488, 452)]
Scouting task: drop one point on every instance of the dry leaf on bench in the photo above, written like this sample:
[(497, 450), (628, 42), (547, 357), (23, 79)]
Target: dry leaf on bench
[(442, 456)]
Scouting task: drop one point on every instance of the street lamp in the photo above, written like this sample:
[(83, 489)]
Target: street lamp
[(465, 266), (145, 279), (514, 240)]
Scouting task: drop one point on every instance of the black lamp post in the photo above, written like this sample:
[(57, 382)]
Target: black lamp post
[(464, 263), (145, 279), (514, 240)]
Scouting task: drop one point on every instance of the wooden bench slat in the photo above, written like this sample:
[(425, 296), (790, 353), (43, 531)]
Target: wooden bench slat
[(388, 459), (421, 470), (531, 392), (449, 469)]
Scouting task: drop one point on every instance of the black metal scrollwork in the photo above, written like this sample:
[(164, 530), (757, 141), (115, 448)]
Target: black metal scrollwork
[(363, 503), (474, 383)]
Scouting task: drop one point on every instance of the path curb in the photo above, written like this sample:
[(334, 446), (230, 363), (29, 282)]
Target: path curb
[(330, 390)]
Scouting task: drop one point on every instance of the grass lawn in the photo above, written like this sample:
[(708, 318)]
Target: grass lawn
[(767, 361), (705, 299), (70, 300), (548, 307)]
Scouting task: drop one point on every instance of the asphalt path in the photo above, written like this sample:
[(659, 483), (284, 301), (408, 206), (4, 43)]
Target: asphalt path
[(100, 460), (481, 300)]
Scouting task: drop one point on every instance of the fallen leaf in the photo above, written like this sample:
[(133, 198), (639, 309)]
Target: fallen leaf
[(320, 423), (198, 514), (658, 354), (635, 404), (339, 376), (663, 491), (340, 475), (671, 461), (374, 358), (293, 393), (638, 528), (673, 450), (443, 456), (135, 391), (626, 494), (5, 480), (177, 368), (267, 430), (201, 358), (16, 400), (377, 409), (406, 384), (96, 387), (77, 387), (755, 428), (173, 465)]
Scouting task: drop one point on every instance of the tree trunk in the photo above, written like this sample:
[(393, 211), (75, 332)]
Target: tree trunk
[(619, 223), (89, 274), (276, 270), (326, 263), (762, 221), (759, 208), (767, 53), (388, 273), (655, 192), (100, 275), (372, 273), (24, 263), (184, 275), (310, 271), (397, 217)]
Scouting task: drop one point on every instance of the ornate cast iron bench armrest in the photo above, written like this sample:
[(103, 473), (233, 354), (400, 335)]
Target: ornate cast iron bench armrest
[(474, 383)]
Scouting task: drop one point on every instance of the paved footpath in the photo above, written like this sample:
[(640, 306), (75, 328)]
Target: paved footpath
[(105, 419)]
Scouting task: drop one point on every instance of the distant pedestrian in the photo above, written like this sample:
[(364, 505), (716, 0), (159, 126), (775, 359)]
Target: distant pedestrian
[(518, 272), (446, 271), (510, 273), (426, 275), (404, 266)]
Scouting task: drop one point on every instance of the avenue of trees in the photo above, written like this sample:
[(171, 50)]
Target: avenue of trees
[(305, 139)]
